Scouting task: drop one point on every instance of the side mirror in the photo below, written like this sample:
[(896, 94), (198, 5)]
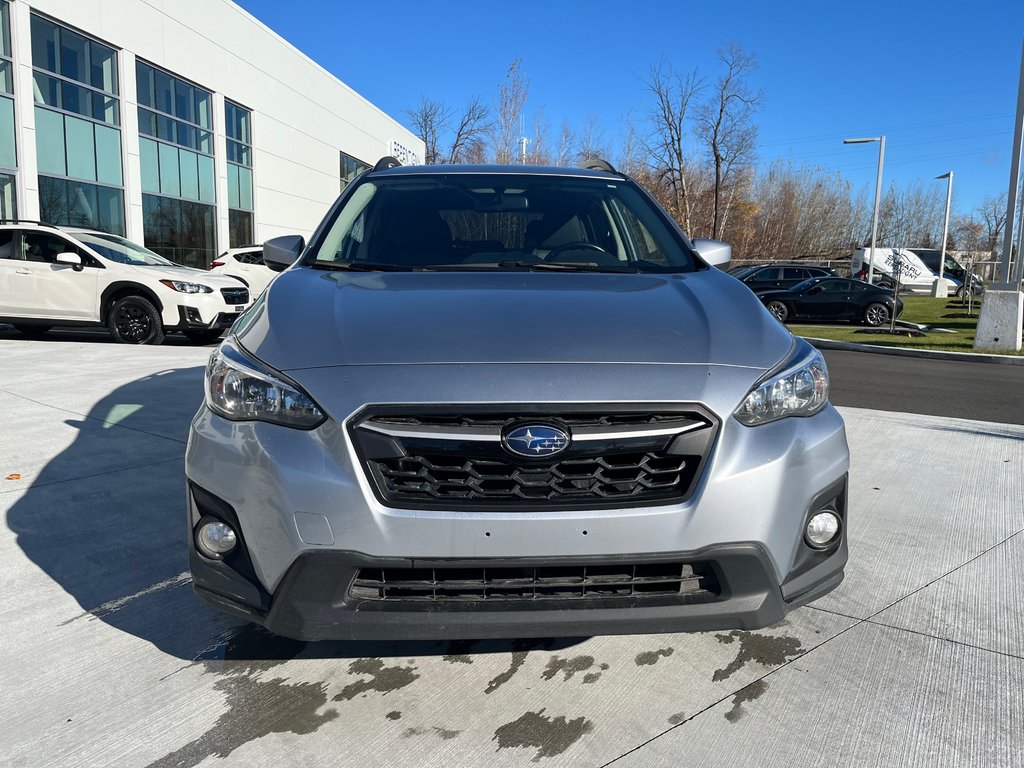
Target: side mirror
[(714, 252), (279, 253), (71, 259)]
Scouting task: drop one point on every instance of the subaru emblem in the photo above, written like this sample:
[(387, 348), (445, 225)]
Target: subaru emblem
[(536, 440)]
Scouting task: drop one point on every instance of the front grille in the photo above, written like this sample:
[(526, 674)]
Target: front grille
[(431, 459), (235, 295), (675, 582)]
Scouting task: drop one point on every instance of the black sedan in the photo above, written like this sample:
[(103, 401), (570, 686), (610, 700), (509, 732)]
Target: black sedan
[(768, 277), (832, 298)]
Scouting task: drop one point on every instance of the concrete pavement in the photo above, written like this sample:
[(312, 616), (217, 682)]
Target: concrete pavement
[(108, 658)]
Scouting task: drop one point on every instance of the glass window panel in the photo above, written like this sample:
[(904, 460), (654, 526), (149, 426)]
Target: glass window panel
[(105, 108), (245, 188), (46, 89), (163, 96), (108, 155), (204, 142), (165, 128), (82, 206), (81, 148), (44, 44), (5, 30), (6, 77), (74, 56), (232, 186), (50, 142), (144, 83), (187, 135), (8, 197), (8, 156), (53, 200), (147, 122), (149, 157), (184, 101), (189, 164), (170, 180), (204, 105), (75, 99), (229, 119), (103, 67), (110, 207), (206, 180), (239, 228)]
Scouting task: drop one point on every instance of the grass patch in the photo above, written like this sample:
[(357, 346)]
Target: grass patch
[(937, 313)]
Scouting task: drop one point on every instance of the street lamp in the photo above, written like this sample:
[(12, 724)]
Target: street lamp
[(878, 197), (939, 286)]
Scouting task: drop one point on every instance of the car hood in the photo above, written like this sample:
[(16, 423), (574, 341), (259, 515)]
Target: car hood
[(188, 274), (312, 318)]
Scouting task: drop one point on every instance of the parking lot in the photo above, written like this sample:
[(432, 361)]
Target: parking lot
[(109, 659)]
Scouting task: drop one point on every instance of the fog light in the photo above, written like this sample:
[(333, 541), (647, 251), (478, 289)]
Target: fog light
[(215, 539), (822, 529)]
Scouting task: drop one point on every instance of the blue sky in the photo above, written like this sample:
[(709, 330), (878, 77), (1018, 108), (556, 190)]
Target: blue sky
[(938, 77)]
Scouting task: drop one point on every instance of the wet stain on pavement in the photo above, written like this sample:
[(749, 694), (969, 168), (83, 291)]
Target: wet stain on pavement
[(520, 650), (648, 658), (766, 650), (567, 667), (677, 718), (444, 733), (394, 715), (753, 691), (591, 677), (458, 652), (382, 679), (284, 707), (550, 735)]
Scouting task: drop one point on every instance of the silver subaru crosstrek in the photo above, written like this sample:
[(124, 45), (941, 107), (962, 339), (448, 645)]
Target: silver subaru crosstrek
[(505, 401)]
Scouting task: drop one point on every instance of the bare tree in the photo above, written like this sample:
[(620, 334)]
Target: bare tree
[(668, 145), (992, 213), (725, 122), (431, 120), (470, 133), (590, 141), (511, 99), (566, 141)]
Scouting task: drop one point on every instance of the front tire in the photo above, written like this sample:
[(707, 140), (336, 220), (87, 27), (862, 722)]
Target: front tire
[(33, 331), (204, 337), (134, 320), (876, 314), (779, 310)]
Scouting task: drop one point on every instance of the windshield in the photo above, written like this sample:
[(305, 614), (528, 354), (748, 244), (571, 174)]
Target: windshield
[(122, 251), (500, 222)]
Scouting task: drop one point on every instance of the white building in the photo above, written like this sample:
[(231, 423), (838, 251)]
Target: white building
[(186, 125)]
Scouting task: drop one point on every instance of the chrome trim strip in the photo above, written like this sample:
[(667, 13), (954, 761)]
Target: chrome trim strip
[(493, 434), (585, 433)]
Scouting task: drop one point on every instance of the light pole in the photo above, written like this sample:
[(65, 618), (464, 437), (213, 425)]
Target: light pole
[(878, 197), (939, 286)]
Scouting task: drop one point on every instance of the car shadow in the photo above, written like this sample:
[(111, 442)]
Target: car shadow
[(105, 519)]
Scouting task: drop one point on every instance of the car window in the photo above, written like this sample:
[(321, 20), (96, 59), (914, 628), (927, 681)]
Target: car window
[(768, 273), (7, 244), (818, 273), (833, 286), (794, 273), (44, 247)]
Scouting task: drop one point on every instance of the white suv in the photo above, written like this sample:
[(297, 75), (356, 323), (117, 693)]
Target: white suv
[(246, 264), (63, 276)]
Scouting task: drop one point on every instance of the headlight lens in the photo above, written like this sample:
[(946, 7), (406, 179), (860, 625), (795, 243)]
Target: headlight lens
[(184, 287), (241, 388), (800, 390)]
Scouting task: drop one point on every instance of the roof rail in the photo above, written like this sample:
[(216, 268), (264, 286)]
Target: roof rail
[(386, 162), (597, 164), (27, 221)]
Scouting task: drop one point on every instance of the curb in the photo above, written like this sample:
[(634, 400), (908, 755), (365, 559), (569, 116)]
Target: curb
[(969, 357)]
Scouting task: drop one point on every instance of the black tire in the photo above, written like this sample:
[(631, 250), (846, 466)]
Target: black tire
[(778, 309), (207, 336), (876, 314), (33, 331), (134, 320)]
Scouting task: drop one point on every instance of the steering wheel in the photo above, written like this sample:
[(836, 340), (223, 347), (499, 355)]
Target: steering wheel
[(578, 245)]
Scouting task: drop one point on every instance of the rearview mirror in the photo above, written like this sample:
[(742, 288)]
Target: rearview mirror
[(279, 253), (714, 252), (71, 259)]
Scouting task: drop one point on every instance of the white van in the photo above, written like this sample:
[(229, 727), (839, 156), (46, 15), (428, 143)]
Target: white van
[(914, 273)]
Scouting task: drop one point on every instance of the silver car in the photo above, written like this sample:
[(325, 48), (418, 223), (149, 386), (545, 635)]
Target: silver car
[(508, 402)]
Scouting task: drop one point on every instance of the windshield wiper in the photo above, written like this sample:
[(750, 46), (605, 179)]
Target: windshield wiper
[(559, 266), (359, 266)]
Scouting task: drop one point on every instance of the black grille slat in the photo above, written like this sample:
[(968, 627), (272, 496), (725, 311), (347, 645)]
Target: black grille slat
[(687, 582), (235, 295)]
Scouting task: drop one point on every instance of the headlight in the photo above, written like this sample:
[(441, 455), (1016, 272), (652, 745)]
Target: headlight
[(241, 388), (801, 389), (183, 287)]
